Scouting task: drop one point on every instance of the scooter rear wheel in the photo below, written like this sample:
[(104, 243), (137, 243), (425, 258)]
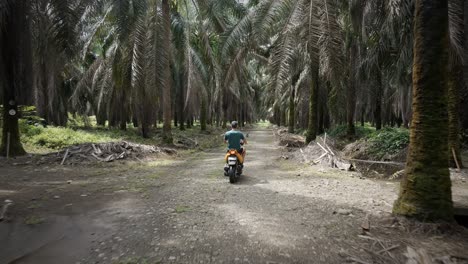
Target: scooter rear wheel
[(232, 175)]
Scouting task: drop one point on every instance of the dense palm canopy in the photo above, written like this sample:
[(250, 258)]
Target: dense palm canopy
[(306, 64)]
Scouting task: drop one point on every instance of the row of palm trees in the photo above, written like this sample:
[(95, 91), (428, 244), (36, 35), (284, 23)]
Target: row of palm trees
[(140, 61), (302, 63)]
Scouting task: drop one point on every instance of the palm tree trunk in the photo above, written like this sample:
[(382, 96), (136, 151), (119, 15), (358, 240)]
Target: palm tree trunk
[(203, 114), (180, 103), (425, 191), (123, 124), (321, 119), (241, 116), (41, 94), (15, 73), (135, 121), (276, 115), (11, 143), (351, 92), (292, 111), (363, 114), (465, 42), (454, 84), (378, 102), (225, 114), (313, 106), (167, 102), (350, 110)]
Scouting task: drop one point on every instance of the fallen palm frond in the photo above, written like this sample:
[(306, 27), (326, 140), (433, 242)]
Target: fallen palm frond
[(108, 152)]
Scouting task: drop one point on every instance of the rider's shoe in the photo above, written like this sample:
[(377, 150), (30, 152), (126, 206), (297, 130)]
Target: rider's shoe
[(226, 169)]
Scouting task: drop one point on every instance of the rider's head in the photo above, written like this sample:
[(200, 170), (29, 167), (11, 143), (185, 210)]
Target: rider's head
[(234, 124)]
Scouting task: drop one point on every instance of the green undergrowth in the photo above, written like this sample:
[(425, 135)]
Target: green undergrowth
[(39, 140), (33, 220), (361, 131), (43, 139), (388, 141)]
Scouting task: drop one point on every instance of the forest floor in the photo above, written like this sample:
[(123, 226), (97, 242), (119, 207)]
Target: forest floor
[(183, 210)]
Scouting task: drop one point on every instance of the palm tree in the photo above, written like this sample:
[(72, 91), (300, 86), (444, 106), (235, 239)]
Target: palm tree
[(15, 70), (123, 77), (426, 188), (286, 29), (166, 79), (55, 39)]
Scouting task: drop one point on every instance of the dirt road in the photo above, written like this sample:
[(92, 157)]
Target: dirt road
[(185, 211)]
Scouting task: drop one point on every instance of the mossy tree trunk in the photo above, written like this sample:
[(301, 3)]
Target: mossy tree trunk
[(425, 191), (167, 102)]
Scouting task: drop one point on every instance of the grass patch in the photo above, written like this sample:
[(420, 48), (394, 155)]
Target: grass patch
[(145, 196), (182, 209), (33, 220), (288, 165), (34, 205), (214, 175), (160, 163), (39, 139), (137, 189), (134, 261), (154, 176)]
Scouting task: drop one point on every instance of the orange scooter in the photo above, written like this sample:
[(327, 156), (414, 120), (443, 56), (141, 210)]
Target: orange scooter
[(234, 164)]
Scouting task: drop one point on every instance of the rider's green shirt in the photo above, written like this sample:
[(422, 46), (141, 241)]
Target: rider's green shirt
[(234, 138)]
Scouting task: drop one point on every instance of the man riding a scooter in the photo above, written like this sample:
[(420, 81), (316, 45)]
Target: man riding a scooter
[(235, 140)]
